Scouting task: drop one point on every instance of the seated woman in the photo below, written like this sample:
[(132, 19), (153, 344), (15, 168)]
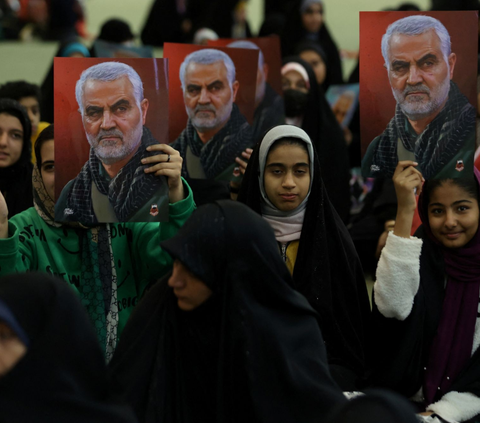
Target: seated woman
[(109, 265), (283, 183), (15, 165), (230, 340), (427, 296), (51, 367)]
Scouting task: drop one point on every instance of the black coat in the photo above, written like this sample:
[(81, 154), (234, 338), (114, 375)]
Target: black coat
[(252, 352), (329, 274)]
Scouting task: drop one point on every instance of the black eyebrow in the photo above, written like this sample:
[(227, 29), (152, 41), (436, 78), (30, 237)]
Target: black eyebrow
[(400, 63), (428, 56), (93, 109), (214, 83), (282, 165), (48, 162), (453, 204), (122, 102), (193, 86)]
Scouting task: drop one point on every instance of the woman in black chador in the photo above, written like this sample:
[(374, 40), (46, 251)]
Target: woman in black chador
[(232, 341), (283, 183), (307, 23), (51, 367)]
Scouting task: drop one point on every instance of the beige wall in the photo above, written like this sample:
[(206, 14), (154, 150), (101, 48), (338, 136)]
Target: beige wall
[(32, 60)]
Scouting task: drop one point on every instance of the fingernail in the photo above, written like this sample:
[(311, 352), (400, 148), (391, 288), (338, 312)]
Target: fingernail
[(415, 163), (143, 160), (148, 148)]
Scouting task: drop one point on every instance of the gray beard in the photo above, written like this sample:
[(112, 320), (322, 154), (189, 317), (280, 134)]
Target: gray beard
[(416, 110)]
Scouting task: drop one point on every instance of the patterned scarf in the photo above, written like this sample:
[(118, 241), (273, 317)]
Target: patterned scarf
[(436, 145), (98, 278), (127, 191), (220, 152)]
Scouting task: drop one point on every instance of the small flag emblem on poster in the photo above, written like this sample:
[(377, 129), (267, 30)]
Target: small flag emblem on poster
[(154, 210)]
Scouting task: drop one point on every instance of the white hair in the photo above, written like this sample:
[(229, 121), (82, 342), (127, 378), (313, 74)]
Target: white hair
[(109, 71), (416, 25), (208, 56), (251, 46)]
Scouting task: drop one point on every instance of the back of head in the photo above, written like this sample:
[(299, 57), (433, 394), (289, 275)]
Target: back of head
[(17, 90), (115, 31)]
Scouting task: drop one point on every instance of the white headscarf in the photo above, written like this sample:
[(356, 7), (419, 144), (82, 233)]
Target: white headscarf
[(286, 224)]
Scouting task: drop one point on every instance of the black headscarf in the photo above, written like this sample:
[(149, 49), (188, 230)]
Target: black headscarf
[(16, 180), (262, 353), (309, 45), (62, 377), (328, 272), (321, 125), (294, 32)]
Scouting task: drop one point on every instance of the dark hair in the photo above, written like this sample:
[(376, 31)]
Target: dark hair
[(17, 90), (469, 185), (44, 136), (288, 141), (311, 46), (14, 108), (115, 31)]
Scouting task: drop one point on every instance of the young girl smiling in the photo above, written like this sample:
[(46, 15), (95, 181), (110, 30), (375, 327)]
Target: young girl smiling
[(427, 297)]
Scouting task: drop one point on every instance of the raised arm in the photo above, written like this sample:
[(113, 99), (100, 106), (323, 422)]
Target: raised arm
[(3, 217), (408, 183)]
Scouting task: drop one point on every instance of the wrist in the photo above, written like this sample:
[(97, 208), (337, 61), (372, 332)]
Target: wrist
[(176, 193), (4, 229)]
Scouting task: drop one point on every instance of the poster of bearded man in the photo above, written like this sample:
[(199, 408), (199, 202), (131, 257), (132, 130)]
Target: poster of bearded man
[(418, 92)]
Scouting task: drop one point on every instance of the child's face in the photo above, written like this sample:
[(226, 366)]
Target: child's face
[(453, 215), (287, 176)]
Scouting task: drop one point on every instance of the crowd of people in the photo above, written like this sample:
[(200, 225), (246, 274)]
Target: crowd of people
[(247, 301)]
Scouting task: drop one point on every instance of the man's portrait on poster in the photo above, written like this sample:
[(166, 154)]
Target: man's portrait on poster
[(216, 131), (434, 123), (113, 185)]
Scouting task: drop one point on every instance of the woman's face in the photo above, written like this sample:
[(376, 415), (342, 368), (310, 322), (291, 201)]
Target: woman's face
[(47, 168), (287, 176), (11, 349), (11, 140), (312, 18), (317, 63), (294, 81), (453, 215), (190, 291)]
